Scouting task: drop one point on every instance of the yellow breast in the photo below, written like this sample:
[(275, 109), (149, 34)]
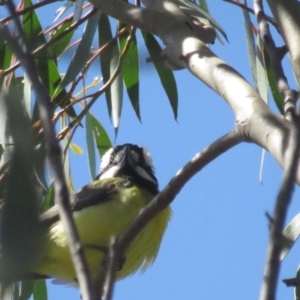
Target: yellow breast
[(96, 224)]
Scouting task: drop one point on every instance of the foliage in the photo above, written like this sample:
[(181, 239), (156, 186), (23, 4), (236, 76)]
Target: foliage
[(73, 93)]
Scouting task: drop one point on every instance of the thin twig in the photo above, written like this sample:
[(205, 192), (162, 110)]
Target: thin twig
[(33, 7), (110, 274), (52, 41), (96, 95), (248, 9), (55, 158)]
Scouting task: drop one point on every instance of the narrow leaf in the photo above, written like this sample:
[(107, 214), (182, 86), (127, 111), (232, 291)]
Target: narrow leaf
[(101, 137), (203, 5), (27, 94), (5, 58), (290, 235), (40, 290), (130, 72), (49, 199), (116, 88), (109, 60), (59, 46), (105, 36), (1, 150), (273, 84), (21, 237), (77, 10), (90, 143), (250, 41), (46, 66), (261, 79), (82, 53), (76, 149), (26, 290), (66, 151), (165, 75)]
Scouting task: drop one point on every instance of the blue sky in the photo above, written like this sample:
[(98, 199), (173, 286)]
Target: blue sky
[(215, 244)]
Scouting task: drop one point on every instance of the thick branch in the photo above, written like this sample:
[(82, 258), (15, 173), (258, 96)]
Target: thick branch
[(276, 56), (272, 268), (254, 119), (286, 13)]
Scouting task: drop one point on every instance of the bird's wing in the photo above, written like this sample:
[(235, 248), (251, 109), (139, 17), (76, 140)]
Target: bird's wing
[(92, 194)]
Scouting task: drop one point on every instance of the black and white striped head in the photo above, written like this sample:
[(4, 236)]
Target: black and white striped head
[(130, 161)]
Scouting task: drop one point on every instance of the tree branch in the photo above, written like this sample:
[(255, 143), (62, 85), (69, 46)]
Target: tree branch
[(256, 122), (272, 267), (55, 158), (276, 55), (286, 14), (167, 195)]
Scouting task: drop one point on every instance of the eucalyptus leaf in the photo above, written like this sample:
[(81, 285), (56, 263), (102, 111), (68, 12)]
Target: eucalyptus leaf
[(165, 75), (90, 143)]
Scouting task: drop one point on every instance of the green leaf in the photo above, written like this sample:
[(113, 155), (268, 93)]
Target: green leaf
[(130, 71), (90, 143), (46, 66), (1, 150), (166, 76), (39, 165), (203, 5), (59, 46), (250, 43), (273, 83), (5, 58), (49, 199), (5, 55), (105, 36), (33, 29), (261, 78), (51, 78), (21, 235), (40, 290), (76, 149), (66, 158), (82, 53), (17, 88), (101, 137), (109, 60), (26, 290)]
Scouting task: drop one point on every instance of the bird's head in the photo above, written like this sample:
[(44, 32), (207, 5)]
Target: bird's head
[(129, 161)]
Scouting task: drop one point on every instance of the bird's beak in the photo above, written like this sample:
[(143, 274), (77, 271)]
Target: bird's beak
[(128, 158)]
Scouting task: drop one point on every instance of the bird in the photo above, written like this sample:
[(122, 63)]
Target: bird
[(103, 209)]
